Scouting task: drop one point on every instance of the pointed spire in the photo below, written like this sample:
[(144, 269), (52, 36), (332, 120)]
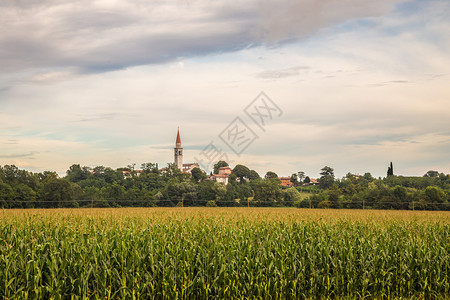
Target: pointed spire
[(178, 136)]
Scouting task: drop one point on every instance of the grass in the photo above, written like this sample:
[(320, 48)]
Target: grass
[(203, 253)]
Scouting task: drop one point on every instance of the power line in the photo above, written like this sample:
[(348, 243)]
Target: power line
[(374, 203)]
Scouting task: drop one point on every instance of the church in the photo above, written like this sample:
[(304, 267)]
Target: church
[(178, 157), (224, 172)]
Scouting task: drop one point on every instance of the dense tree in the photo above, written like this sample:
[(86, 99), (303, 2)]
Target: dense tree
[(291, 196), (367, 176), (205, 191), (333, 194), (253, 175), (198, 174), (57, 192), (390, 171), (182, 192), (431, 173), (268, 192), (11, 174), (219, 191), (105, 187), (25, 196), (115, 193), (435, 196), (242, 172), (271, 175), (150, 168), (327, 177), (243, 192), (300, 176), (77, 174), (6, 195), (294, 179), (399, 197), (171, 171)]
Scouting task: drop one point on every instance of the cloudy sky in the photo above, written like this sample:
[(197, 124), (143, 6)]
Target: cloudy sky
[(357, 83)]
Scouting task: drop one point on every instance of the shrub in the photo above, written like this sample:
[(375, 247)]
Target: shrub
[(211, 203)]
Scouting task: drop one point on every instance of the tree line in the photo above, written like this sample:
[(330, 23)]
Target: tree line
[(150, 186)]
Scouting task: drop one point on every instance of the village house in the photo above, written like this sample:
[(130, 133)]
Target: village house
[(129, 174), (224, 174), (187, 168), (286, 181)]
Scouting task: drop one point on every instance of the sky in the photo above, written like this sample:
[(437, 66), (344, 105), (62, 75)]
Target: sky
[(283, 86)]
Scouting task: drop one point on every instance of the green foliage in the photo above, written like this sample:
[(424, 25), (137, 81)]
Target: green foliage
[(390, 171), (325, 204), (211, 203), (198, 174), (253, 175), (76, 173), (57, 193), (268, 192), (242, 172), (291, 196), (431, 173), (333, 195), (301, 176), (435, 198), (219, 190), (150, 168), (271, 175), (7, 195), (315, 199), (326, 177), (104, 187), (294, 179)]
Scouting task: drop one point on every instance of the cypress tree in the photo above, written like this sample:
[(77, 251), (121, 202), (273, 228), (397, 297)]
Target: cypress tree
[(390, 170)]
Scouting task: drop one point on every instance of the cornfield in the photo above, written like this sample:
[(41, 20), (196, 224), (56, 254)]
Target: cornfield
[(217, 253)]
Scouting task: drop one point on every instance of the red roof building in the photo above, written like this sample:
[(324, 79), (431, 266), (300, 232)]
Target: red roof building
[(222, 177), (225, 171), (286, 181)]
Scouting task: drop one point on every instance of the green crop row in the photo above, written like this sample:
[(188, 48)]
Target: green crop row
[(43, 257)]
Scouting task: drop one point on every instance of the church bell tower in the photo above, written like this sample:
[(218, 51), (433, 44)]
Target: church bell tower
[(178, 152)]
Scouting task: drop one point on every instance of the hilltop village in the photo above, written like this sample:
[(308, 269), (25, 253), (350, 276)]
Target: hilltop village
[(185, 184), (221, 174)]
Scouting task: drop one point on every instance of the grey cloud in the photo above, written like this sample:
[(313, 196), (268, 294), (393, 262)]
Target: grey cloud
[(94, 38), (296, 18)]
